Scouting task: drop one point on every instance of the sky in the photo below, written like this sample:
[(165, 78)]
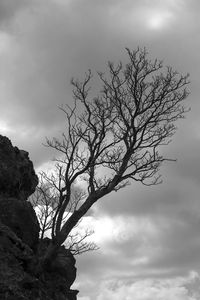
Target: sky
[(149, 237)]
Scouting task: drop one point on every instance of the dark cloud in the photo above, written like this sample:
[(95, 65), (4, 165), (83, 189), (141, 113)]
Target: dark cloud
[(9, 8), (180, 245), (42, 45)]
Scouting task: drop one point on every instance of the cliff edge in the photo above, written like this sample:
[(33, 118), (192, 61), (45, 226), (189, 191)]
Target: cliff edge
[(20, 245)]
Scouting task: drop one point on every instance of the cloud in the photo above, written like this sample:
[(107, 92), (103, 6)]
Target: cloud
[(148, 289), (143, 232), (144, 245), (45, 45), (177, 288), (154, 245), (9, 8)]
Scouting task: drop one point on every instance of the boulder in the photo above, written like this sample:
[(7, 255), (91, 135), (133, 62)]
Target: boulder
[(17, 182), (14, 259), (20, 247), (17, 175), (21, 218), (16, 280), (63, 264)]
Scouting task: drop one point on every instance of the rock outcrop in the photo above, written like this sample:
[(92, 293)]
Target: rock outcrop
[(63, 265), (17, 175), (21, 218), (20, 246), (16, 280), (17, 182)]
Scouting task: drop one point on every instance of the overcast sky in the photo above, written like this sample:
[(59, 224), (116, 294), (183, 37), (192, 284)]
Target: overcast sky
[(149, 237)]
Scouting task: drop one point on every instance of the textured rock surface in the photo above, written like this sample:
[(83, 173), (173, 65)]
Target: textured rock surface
[(14, 259), (63, 265), (20, 247), (16, 280), (21, 218), (17, 181), (17, 175)]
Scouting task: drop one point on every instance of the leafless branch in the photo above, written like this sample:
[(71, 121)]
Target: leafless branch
[(117, 136)]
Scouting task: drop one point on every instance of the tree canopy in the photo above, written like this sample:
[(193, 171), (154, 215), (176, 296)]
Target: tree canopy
[(115, 137)]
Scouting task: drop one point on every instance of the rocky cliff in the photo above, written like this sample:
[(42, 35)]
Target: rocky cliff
[(20, 246)]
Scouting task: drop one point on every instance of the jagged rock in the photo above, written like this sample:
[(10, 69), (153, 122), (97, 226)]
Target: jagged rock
[(18, 282), (17, 181), (21, 218), (63, 264), (18, 248), (72, 294), (14, 259), (17, 175), (19, 236)]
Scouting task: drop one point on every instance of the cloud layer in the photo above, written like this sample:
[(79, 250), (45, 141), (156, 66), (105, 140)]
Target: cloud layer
[(149, 237)]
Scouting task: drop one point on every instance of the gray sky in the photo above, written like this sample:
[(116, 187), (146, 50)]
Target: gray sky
[(149, 236)]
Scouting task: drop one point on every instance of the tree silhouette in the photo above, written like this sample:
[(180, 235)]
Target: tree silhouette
[(117, 136), (45, 201)]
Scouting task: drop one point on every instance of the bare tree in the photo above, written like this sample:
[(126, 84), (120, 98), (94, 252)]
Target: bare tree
[(42, 201), (77, 242), (45, 200), (116, 136)]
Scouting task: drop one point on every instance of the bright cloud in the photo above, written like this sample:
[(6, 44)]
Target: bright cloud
[(5, 42), (143, 233), (157, 20), (174, 289), (120, 229), (4, 128), (157, 15)]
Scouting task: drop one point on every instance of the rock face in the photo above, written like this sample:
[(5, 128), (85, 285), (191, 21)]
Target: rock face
[(21, 218), (17, 181), (14, 259), (16, 280), (63, 265), (62, 272), (20, 246), (17, 175)]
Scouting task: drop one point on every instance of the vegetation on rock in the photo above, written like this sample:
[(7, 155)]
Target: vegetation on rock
[(111, 139)]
